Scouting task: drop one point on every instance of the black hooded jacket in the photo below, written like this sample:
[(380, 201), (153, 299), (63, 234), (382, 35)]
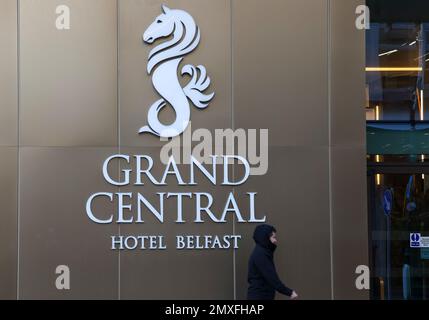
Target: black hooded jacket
[(262, 277)]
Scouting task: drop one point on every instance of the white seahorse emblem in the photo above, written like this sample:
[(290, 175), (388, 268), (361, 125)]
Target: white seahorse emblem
[(163, 63)]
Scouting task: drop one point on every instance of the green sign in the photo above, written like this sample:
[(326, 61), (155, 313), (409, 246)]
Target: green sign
[(399, 141)]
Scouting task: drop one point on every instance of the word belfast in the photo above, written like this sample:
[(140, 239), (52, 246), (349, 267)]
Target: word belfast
[(189, 242)]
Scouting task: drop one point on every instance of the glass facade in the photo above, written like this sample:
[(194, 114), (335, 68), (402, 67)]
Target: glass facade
[(397, 58), (396, 71)]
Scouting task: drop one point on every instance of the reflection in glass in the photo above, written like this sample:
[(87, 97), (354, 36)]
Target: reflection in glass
[(396, 58)]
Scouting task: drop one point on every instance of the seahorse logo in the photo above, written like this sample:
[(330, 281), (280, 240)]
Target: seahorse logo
[(163, 64)]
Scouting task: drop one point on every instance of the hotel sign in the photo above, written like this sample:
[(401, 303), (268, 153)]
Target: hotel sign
[(134, 208)]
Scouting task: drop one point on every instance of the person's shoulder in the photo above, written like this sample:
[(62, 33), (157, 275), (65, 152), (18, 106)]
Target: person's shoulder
[(259, 250)]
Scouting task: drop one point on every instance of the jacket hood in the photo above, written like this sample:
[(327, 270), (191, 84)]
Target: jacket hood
[(262, 236)]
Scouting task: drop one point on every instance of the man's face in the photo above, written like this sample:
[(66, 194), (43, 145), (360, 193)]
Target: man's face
[(273, 238)]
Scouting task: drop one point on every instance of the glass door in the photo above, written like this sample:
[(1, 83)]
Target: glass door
[(398, 211)]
